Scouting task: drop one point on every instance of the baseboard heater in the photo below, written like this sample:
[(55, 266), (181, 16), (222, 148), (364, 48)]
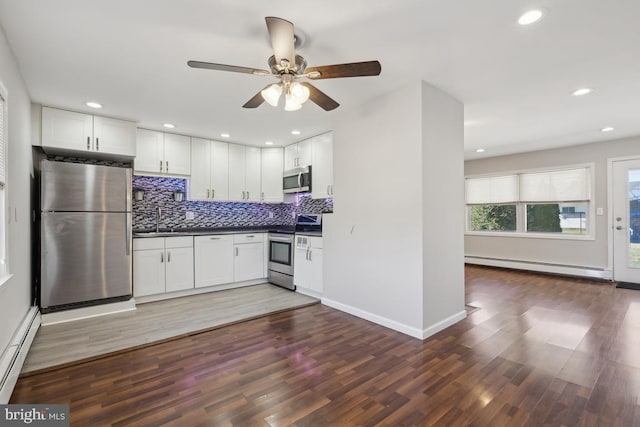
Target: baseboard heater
[(542, 267), (16, 352)]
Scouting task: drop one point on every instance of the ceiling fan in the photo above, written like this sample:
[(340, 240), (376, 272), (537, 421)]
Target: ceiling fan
[(288, 68)]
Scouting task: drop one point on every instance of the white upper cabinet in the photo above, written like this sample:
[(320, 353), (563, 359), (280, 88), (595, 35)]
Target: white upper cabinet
[(160, 153), (244, 173), (322, 170), (79, 132), (297, 155), (209, 170), (272, 166)]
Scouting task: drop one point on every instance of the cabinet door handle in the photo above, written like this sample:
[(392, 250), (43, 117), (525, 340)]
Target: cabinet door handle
[(207, 193), (161, 257), (166, 166), (262, 196), (236, 251), (247, 195), (160, 165), (214, 238), (310, 251), (168, 256), (213, 193), (97, 144), (88, 143)]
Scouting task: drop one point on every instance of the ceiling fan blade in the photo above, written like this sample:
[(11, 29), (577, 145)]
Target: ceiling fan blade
[(282, 39), (224, 67), (256, 101), (353, 69), (322, 99)]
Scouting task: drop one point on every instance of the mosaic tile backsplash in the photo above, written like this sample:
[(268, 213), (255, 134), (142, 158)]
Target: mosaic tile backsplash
[(158, 192)]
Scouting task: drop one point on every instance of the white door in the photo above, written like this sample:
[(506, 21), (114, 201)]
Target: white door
[(236, 172), (290, 157), (66, 129), (200, 182), (272, 165), (248, 263), (322, 171), (177, 154), (114, 136), (149, 152), (252, 173), (626, 220), (304, 153), (213, 260), (148, 272), (179, 269), (219, 170)]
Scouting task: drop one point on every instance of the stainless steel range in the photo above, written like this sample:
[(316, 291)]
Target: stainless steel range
[(282, 248)]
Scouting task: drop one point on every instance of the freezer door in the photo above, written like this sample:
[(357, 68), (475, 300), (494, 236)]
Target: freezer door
[(85, 257), (75, 187)]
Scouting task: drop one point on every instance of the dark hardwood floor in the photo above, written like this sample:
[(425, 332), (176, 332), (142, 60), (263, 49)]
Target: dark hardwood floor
[(540, 350)]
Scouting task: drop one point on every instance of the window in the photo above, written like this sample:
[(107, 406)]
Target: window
[(3, 189), (537, 203)]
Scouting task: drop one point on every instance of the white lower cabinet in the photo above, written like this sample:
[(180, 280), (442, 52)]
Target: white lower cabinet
[(307, 266), (213, 261), (162, 264), (249, 256)]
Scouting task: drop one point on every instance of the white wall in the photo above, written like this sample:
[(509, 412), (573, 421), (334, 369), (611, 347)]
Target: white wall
[(443, 222), (15, 295), (372, 241), (389, 255), (583, 253)]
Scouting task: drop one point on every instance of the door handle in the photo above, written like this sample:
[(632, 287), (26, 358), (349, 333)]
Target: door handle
[(88, 143), (236, 251), (168, 256), (161, 257), (247, 195), (97, 144), (160, 165), (166, 166), (300, 179), (213, 193), (207, 193)]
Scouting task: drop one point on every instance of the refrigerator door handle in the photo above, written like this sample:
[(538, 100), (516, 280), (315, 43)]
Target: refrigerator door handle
[(127, 234)]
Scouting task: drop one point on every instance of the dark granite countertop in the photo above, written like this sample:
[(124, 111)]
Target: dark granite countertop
[(310, 233), (166, 232)]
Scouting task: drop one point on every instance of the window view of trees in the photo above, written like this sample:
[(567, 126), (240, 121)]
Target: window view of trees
[(493, 217), (543, 218)]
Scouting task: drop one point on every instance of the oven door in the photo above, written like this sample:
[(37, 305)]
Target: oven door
[(281, 254)]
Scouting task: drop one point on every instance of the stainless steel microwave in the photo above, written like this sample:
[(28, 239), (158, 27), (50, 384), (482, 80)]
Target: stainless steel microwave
[(297, 180)]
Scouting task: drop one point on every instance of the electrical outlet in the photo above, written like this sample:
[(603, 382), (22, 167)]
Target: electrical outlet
[(270, 215), (191, 215), (599, 211)]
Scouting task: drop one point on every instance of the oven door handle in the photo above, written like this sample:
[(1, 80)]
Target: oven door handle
[(281, 239)]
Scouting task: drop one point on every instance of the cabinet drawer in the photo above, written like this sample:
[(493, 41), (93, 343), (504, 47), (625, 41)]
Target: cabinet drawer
[(179, 242), (248, 238), (148, 243)]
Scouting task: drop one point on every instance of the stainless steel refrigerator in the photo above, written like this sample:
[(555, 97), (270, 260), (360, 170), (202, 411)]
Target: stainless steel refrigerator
[(85, 235)]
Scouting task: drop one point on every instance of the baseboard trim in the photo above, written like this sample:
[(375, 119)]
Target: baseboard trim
[(16, 353), (309, 292), (568, 270), (380, 320), (443, 324), (87, 312)]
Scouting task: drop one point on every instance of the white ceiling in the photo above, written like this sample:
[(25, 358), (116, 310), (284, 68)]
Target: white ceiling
[(515, 81)]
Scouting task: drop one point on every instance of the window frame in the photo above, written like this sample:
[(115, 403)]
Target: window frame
[(521, 207)]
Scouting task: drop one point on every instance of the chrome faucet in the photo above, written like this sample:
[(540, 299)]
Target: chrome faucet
[(158, 213)]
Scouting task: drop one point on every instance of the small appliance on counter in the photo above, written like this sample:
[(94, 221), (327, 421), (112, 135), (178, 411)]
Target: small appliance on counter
[(281, 249)]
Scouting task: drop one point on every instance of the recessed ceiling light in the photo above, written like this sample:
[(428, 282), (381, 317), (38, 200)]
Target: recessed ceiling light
[(530, 17), (268, 143), (93, 104), (606, 129), (581, 91), (169, 125), (480, 150), (295, 132), (225, 135)]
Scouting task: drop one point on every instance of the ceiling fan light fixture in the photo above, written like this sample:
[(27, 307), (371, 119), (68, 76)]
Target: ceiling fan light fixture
[(299, 93), (291, 104), (272, 94)]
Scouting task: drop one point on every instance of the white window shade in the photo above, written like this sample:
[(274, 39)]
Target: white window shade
[(3, 143), (491, 190), (556, 186)]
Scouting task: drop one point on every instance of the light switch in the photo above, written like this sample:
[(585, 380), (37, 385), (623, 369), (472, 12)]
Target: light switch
[(599, 211), (190, 215)]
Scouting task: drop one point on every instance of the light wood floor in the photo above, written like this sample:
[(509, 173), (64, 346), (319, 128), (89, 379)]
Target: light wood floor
[(66, 343), (540, 350)]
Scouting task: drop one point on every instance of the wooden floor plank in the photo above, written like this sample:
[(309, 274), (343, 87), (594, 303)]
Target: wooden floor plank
[(539, 350)]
